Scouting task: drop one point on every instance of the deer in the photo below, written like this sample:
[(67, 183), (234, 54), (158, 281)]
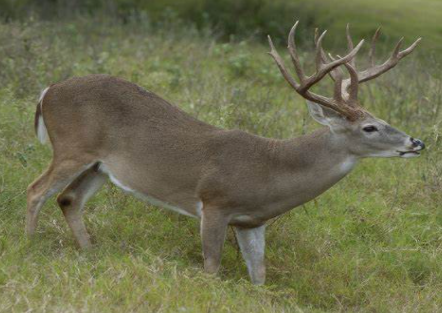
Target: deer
[(105, 128)]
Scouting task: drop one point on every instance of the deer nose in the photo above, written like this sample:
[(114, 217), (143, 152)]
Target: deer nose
[(417, 143)]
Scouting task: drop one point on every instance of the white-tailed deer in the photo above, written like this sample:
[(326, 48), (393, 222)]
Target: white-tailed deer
[(104, 127)]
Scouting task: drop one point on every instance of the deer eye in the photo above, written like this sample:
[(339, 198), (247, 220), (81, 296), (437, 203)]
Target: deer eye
[(370, 129)]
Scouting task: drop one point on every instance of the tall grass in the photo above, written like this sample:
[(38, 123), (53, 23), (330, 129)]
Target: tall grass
[(371, 244)]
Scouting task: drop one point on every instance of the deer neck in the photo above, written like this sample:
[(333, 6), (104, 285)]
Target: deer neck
[(308, 166), (321, 152)]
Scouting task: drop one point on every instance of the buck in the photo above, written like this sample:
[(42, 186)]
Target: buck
[(104, 127)]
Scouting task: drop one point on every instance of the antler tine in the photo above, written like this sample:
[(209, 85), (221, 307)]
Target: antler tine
[(410, 49), (337, 92), (323, 55), (333, 74), (349, 86), (349, 43), (281, 66), (320, 51), (338, 78), (373, 45), (294, 54), (397, 48), (353, 86)]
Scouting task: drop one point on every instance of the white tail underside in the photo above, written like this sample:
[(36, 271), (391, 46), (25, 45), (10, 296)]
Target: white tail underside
[(42, 132)]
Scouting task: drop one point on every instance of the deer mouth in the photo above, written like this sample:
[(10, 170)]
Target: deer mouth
[(409, 154)]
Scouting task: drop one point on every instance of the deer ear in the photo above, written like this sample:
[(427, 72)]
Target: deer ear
[(324, 116)]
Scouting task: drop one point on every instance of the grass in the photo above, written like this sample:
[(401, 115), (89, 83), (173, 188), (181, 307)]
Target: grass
[(373, 243)]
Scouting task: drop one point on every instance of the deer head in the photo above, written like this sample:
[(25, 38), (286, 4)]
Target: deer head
[(358, 131)]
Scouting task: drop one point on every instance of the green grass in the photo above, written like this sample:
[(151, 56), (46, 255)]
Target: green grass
[(373, 243)]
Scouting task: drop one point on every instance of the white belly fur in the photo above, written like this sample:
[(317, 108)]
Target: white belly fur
[(150, 199)]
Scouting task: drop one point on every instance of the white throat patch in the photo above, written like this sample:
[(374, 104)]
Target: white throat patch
[(348, 164)]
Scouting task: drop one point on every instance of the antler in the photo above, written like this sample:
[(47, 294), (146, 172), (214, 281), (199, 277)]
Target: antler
[(374, 70), (346, 104)]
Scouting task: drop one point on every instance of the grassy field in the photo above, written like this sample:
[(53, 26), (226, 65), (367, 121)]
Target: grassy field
[(373, 243)]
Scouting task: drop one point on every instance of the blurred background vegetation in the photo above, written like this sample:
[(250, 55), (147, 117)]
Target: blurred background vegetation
[(254, 18), (373, 243)]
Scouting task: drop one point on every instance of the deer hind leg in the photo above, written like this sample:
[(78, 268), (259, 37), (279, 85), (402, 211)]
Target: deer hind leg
[(55, 178), (213, 233), (73, 199), (252, 243)]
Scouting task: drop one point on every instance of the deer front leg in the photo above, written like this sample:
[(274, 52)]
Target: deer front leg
[(213, 233), (252, 244)]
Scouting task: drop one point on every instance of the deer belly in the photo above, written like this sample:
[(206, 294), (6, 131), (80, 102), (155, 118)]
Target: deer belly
[(142, 195)]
